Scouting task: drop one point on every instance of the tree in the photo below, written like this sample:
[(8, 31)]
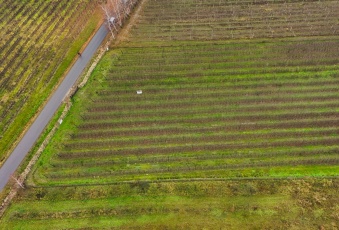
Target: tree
[(116, 11)]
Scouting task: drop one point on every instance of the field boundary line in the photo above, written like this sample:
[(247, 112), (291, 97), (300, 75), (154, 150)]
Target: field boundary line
[(183, 180)]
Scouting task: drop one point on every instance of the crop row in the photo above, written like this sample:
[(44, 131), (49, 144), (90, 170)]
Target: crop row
[(180, 139), (210, 76), (232, 50), (231, 125), (242, 100), (242, 58), (104, 132), (225, 92), (235, 51), (144, 168), (169, 96), (184, 169), (198, 111), (205, 32), (232, 84), (218, 60), (210, 81), (227, 68), (205, 146), (97, 160), (220, 110), (221, 74), (180, 130)]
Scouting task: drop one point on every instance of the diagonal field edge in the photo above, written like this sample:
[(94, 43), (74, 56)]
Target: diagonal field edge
[(33, 133)]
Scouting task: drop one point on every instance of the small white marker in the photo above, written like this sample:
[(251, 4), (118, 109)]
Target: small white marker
[(139, 91)]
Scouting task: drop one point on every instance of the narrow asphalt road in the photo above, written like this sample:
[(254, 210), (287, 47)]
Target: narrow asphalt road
[(50, 108)]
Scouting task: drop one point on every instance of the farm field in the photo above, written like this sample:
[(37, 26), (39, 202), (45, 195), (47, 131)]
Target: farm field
[(207, 110), (236, 204), (220, 20), (236, 126), (39, 40)]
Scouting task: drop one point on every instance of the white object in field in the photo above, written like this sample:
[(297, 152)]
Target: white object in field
[(139, 91), (112, 19), (107, 48), (60, 121)]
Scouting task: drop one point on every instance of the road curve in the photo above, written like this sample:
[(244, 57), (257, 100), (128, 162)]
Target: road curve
[(33, 133)]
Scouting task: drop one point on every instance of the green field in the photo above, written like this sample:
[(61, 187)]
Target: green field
[(39, 40), (207, 110), (236, 204), (237, 125)]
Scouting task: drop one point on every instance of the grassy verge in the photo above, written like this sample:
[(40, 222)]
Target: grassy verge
[(42, 137), (33, 151)]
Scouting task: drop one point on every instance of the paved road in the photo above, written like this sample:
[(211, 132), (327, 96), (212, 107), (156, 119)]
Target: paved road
[(51, 107)]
